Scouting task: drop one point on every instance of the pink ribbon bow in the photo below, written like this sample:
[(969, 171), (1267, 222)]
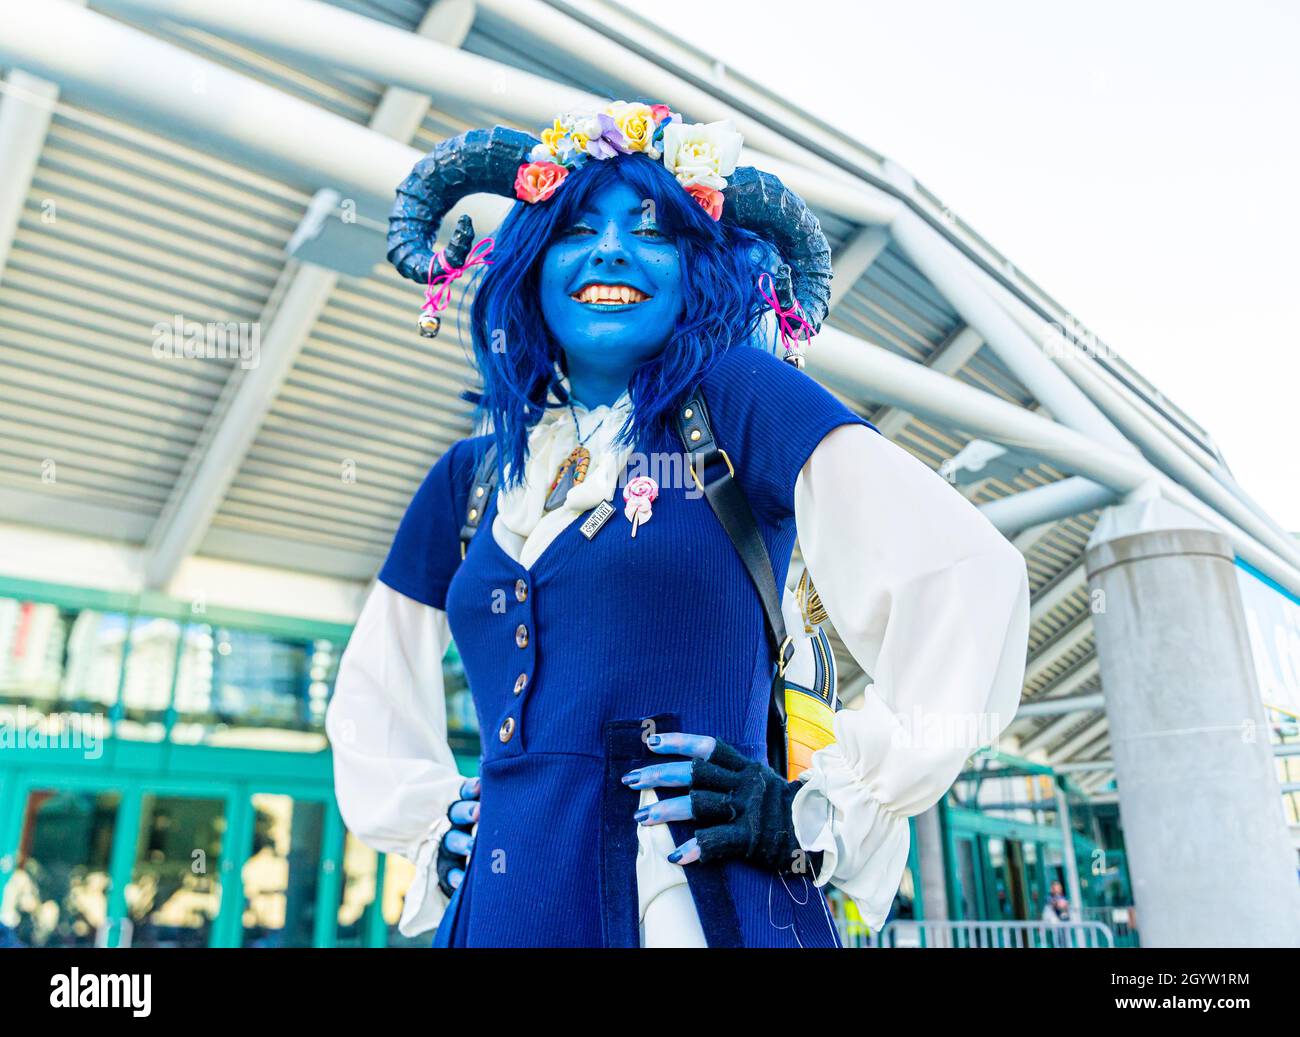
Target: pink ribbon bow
[(789, 322), (437, 296)]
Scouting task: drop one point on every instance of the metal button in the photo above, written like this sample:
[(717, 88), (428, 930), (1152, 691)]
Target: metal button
[(507, 729), (521, 590), (520, 682), (689, 412), (521, 636), (695, 435)]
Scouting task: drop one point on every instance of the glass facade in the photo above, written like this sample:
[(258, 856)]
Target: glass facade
[(57, 893), (165, 780)]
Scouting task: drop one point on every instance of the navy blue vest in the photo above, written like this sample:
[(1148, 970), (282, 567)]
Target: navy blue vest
[(568, 659)]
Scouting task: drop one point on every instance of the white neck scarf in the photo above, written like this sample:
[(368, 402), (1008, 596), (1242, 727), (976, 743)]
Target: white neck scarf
[(523, 527)]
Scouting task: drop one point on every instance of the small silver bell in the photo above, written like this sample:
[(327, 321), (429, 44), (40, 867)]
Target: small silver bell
[(794, 357), (429, 323)]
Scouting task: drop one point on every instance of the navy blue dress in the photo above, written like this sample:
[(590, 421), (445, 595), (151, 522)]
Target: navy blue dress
[(568, 659)]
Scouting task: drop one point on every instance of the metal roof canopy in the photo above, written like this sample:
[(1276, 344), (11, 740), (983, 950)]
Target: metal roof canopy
[(174, 202)]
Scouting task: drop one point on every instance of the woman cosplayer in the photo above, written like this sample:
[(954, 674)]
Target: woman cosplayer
[(608, 557)]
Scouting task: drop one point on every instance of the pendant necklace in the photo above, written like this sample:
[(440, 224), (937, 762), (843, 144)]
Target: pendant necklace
[(573, 469)]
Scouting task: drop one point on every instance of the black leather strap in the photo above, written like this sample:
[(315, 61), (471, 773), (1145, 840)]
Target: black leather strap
[(729, 503), (480, 495)]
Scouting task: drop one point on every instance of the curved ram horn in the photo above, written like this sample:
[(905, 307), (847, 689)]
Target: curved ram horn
[(478, 161), (759, 202)]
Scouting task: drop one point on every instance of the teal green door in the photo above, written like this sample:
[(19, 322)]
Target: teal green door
[(99, 860)]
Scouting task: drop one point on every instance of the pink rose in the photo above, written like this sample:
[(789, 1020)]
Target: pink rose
[(710, 199), (537, 181), (638, 493), (660, 112), (641, 489)]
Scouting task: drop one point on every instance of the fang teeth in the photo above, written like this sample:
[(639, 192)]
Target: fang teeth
[(609, 293)]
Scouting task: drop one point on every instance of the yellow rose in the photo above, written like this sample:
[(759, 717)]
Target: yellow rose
[(552, 137), (637, 124)]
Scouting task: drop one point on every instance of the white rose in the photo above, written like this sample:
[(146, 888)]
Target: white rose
[(589, 127), (702, 153)]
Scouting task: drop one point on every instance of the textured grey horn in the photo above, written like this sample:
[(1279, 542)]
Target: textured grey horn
[(759, 202), (478, 161)]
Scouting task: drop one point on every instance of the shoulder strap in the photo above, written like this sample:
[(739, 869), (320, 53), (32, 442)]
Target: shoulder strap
[(712, 470), (480, 495)]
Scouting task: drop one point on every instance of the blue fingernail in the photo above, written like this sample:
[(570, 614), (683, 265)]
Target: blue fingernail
[(631, 778), (653, 740), (641, 814), (675, 857)]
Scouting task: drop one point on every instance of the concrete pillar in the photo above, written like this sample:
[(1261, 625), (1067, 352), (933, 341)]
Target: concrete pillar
[(1207, 845), (930, 857), (1070, 863)]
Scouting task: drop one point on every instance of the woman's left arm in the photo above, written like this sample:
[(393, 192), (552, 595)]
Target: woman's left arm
[(933, 603)]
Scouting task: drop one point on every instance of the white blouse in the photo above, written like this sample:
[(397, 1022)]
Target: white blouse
[(929, 598)]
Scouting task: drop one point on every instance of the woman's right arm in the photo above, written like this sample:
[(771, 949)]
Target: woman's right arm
[(394, 773)]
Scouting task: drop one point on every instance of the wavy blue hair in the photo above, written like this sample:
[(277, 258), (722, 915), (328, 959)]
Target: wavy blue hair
[(722, 307)]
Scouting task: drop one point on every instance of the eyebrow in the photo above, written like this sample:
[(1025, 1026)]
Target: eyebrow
[(636, 210)]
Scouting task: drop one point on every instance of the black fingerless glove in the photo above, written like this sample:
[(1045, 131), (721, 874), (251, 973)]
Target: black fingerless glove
[(744, 810), (448, 860)]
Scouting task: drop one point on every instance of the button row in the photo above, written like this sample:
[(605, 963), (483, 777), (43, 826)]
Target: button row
[(507, 730)]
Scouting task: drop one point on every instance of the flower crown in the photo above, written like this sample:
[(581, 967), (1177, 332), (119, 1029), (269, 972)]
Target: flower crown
[(700, 155)]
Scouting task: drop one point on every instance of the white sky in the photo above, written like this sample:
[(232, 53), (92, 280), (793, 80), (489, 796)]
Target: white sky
[(1140, 160)]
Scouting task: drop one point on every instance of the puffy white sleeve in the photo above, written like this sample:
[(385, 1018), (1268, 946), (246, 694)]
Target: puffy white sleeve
[(933, 603), (394, 773)]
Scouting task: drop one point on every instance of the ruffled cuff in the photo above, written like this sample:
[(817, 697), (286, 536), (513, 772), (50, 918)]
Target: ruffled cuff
[(864, 845), (425, 901)]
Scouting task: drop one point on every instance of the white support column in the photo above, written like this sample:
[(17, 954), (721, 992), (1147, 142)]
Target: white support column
[(1170, 450), (130, 74), (1071, 865), (948, 359), (25, 112), (865, 372), (1208, 849), (938, 261), (26, 107), (1056, 500), (249, 395), (933, 878), (233, 425), (319, 32), (855, 259), (141, 79)]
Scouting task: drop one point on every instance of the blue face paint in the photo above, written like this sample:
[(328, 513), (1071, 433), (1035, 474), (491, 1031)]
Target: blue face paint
[(612, 252)]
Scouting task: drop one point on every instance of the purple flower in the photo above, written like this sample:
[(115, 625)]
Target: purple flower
[(610, 141)]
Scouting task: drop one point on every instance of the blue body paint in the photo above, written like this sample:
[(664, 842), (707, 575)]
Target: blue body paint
[(614, 242)]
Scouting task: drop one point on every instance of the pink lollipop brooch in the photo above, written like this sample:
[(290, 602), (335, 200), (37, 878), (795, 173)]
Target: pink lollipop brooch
[(637, 497)]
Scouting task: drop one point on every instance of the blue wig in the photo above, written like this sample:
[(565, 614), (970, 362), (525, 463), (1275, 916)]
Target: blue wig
[(517, 355)]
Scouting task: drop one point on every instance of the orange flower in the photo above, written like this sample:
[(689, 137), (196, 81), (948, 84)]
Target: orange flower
[(710, 199), (537, 181)]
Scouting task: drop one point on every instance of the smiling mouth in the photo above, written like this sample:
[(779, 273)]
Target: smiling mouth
[(610, 295)]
